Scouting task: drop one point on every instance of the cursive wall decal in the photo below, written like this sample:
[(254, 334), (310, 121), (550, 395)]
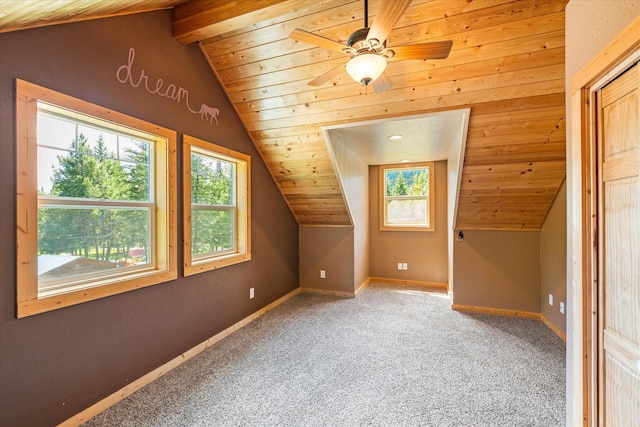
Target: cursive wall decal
[(171, 91)]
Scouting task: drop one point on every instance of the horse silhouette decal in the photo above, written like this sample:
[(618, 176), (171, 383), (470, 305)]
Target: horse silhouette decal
[(209, 113)]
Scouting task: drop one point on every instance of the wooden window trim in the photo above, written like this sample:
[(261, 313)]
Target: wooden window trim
[(382, 197), (165, 268), (243, 207)]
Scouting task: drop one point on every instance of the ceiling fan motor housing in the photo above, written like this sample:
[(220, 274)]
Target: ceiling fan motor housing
[(358, 41)]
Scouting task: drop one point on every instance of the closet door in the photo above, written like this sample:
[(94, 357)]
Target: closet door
[(618, 117)]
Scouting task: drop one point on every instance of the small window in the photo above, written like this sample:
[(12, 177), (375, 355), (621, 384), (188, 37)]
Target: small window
[(95, 189), (216, 206), (406, 197)]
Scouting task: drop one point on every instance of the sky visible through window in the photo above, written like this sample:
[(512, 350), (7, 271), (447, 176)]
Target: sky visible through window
[(57, 137)]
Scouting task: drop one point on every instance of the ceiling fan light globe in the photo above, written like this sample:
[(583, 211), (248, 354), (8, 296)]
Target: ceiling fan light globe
[(366, 67)]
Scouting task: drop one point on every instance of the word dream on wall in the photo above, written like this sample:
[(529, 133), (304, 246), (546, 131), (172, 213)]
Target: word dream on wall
[(171, 91)]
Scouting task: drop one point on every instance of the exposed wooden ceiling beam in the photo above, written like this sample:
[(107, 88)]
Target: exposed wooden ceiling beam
[(201, 19)]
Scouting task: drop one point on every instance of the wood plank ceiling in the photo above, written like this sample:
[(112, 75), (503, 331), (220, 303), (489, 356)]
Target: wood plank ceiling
[(22, 14), (506, 64)]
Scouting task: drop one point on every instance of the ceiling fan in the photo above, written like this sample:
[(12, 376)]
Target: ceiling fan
[(368, 49)]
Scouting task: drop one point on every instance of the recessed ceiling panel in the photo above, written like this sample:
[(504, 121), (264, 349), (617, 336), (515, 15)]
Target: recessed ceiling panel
[(424, 138)]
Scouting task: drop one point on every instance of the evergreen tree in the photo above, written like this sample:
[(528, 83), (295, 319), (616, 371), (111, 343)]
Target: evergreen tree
[(110, 184), (400, 187), (420, 183), (136, 228), (138, 170), (211, 184), (71, 179), (88, 173), (74, 176)]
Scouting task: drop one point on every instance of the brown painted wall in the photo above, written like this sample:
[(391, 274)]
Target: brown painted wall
[(498, 269), (55, 364), (424, 252), (553, 260), (330, 249)]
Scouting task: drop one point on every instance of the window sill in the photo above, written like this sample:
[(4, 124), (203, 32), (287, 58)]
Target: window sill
[(53, 300), (213, 264)]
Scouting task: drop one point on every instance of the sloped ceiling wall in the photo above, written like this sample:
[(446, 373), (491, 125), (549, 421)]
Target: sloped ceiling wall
[(506, 64)]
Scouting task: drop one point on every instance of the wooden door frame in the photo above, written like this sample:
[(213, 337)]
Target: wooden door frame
[(612, 61)]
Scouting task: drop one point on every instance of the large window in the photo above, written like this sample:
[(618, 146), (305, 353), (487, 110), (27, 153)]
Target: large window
[(406, 197), (95, 189), (216, 206)]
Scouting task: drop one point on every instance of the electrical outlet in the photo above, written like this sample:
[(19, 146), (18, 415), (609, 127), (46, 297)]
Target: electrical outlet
[(251, 293), (399, 266), (561, 307), (550, 299), (323, 274), (405, 266)]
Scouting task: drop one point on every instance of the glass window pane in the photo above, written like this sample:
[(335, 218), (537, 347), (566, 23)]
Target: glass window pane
[(407, 182), (133, 150), (138, 181), (102, 142), (47, 164), (76, 242), (136, 156), (86, 173), (56, 132), (407, 211), (211, 231), (211, 181)]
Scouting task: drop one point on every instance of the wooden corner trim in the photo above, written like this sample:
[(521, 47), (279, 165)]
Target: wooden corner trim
[(513, 313), (553, 327), (329, 292), (496, 311), (438, 285)]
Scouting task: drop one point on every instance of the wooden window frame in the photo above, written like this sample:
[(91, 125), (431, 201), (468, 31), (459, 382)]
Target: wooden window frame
[(242, 196), (382, 197), (164, 268)]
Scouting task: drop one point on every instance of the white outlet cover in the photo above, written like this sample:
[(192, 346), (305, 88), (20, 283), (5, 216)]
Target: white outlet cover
[(405, 266), (550, 299), (323, 274), (251, 293), (399, 266), (562, 307)]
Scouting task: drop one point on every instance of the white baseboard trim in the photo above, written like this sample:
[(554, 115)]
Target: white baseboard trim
[(136, 385)]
